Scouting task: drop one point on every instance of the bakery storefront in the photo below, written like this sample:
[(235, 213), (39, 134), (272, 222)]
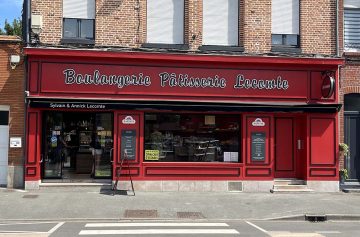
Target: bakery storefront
[(185, 122)]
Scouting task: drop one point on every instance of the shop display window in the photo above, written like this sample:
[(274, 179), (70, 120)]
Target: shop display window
[(192, 138)]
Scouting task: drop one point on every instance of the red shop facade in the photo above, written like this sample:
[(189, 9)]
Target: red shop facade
[(185, 122)]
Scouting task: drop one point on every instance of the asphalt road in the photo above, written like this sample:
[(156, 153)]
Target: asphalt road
[(140, 228)]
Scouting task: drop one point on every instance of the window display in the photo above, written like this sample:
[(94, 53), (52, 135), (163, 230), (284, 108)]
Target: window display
[(192, 138)]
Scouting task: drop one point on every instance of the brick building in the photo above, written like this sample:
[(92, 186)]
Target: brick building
[(349, 49), (198, 95), (12, 112)]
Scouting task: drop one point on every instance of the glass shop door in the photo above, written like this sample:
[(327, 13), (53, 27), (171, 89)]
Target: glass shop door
[(53, 146), (103, 145)]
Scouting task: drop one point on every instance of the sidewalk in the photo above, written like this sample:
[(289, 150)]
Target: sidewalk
[(79, 203)]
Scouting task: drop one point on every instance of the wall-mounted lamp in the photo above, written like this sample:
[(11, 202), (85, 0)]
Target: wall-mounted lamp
[(36, 26), (14, 61)]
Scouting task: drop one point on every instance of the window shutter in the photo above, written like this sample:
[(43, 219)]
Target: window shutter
[(220, 22), (165, 21), (352, 28), (83, 9), (351, 4), (285, 17)]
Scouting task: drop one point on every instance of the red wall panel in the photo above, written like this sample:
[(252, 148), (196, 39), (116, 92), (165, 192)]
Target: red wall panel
[(34, 77), (251, 127), (32, 142), (258, 172), (317, 79), (322, 141), (193, 171), (323, 172), (126, 121), (284, 144), (32, 166)]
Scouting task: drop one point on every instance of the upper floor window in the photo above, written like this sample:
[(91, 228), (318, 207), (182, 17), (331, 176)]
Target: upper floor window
[(220, 22), (165, 21), (285, 23), (79, 19), (352, 25)]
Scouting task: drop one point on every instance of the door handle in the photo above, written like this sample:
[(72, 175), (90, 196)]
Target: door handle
[(42, 159), (299, 144), (111, 155)]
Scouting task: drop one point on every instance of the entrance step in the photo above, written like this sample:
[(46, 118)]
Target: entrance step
[(290, 186), (76, 185), (350, 187), (289, 182)]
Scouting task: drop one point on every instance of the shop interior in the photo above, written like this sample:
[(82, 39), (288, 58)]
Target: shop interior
[(192, 138), (77, 146)]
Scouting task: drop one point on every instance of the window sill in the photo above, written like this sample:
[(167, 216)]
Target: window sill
[(165, 46), (351, 53), (285, 49), (77, 41), (221, 48)]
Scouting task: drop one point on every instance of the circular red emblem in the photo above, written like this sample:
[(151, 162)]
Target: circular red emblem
[(328, 86)]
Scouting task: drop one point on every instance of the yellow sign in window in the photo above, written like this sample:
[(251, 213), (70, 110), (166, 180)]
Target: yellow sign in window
[(152, 154)]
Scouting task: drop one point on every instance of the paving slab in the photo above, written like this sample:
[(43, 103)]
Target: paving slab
[(79, 203)]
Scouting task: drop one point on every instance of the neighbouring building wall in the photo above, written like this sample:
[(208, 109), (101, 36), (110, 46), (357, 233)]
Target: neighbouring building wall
[(349, 73), (12, 95)]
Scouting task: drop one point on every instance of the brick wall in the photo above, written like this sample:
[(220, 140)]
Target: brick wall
[(257, 26), (123, 24), (318, 26), (12, 94), (118, 23), (51, 11)]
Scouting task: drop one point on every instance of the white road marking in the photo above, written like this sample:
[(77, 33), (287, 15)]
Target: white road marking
[(290, 234), (19, 231), (55, 227), (258, 227), (23, 234), (14, 190), (328, 232), (29, 223), (158, 231), (154, 224)]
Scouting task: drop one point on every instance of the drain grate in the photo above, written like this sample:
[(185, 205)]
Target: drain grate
[(30, 196), (316, 218), (140, 214), (190, 215)]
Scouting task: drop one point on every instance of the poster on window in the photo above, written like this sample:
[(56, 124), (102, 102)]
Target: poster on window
[(152, 154)]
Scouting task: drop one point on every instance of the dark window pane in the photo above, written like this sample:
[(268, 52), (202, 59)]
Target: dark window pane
[(286, 40), (70, 28), (276, 39), (87, 29), (291, 40), (4, 117)]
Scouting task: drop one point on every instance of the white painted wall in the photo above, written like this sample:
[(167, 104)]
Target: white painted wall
[(4, 148)]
